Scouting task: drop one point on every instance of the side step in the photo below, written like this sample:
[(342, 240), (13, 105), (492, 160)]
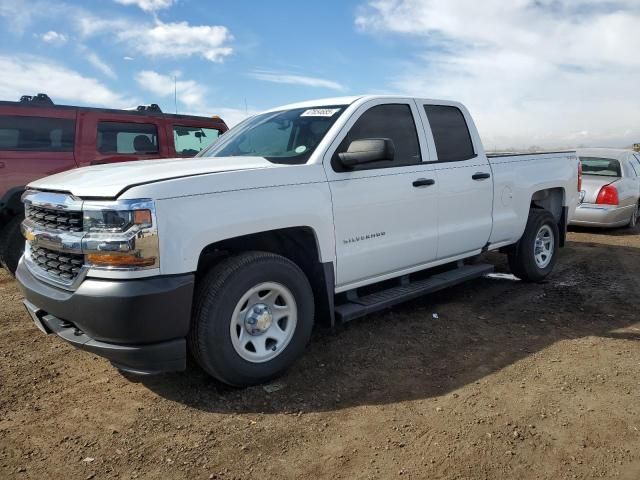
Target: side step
[(360, 306)]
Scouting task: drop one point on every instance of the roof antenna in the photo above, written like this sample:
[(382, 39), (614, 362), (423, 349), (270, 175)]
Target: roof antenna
[(246, 110), (175, 93)]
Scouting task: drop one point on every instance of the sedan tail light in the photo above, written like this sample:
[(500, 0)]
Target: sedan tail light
[(608, 195)]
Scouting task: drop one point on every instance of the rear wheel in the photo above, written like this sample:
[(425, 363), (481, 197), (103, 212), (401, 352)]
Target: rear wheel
[(252, 318), (534, 256), (633, 221), (11, 244)]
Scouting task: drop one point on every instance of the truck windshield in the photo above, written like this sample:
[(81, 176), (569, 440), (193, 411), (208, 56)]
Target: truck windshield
[(286, 136), (605, 167)]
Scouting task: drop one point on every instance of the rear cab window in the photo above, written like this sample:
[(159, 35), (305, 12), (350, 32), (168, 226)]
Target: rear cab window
[(36, 134), (127, 138), (450, 133), (190, 140)]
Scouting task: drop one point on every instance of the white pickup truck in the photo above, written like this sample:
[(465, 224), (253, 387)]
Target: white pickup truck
[(324, 210)]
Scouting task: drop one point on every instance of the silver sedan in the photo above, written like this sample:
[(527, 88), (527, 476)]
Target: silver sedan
[(610, 195)]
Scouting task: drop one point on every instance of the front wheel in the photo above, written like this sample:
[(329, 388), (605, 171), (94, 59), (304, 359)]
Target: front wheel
[(252, 318), (534, 256)]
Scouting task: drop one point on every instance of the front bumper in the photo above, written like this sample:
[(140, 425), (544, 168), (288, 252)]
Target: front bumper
[(140, 325), (594, 215)]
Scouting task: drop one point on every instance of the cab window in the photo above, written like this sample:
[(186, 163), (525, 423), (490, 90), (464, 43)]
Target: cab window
[(190, 141), (392, 121), (450, 133)]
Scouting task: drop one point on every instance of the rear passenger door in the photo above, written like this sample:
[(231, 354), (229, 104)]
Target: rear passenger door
[(385, 213), (465, 187)]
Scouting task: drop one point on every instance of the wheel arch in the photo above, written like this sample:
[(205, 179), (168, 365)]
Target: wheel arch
[(298, 244), (553, 200)]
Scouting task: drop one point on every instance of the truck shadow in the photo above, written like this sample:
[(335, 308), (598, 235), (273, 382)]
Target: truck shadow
[(406, 353)]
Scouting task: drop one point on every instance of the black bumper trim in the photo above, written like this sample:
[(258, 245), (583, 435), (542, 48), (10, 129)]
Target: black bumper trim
[(138, 311), (152, 358), (140, 325)]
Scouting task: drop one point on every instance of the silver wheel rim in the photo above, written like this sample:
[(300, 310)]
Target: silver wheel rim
[(543, 246), (634, 218), (263, 322)]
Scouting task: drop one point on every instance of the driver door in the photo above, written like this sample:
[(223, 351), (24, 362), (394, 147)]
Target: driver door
[(385, 213)]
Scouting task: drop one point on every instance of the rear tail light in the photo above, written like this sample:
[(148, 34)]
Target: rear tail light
[(579, 176), (608, 195)]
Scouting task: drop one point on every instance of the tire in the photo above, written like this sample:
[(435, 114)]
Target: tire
[(11, 244), (523, 261), (220, 312), (633, 221)]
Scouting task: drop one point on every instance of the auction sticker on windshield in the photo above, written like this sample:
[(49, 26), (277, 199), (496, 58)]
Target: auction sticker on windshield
[(319, 112)]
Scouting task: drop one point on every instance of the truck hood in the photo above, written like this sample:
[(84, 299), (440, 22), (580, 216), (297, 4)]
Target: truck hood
[(107, 181)]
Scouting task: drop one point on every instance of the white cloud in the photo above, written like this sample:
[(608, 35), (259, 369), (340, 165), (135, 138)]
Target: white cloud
[(292, 79), (27, 75), (189, 92), (148, 5), (175, 40), (54, 38), (231, 116), (19, 14), (531, 72), (89, 25), (192, 96), (98, 63)]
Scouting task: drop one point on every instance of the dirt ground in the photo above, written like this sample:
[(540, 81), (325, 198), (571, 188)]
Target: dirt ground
[(511, 381)]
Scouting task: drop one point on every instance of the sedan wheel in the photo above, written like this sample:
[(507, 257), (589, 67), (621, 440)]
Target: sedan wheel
[(634, 219)]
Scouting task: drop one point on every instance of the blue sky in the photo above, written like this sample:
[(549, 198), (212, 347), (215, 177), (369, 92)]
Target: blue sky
[(548, 73)]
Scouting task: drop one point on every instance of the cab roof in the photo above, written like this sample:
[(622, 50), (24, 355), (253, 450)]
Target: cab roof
[(348, 100)]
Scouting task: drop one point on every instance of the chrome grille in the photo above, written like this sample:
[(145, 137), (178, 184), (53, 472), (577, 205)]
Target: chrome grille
[(63, 265), (52, 219)]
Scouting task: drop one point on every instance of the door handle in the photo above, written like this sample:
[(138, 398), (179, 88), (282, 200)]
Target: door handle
[(480, 175), (423, 182)]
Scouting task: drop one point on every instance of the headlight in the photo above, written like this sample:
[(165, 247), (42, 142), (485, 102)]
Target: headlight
[(120, 235), (116, 220)]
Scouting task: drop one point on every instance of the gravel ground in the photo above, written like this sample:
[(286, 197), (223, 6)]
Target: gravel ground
[(510, 381)]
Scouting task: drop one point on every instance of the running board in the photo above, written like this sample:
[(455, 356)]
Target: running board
[(360, 306)]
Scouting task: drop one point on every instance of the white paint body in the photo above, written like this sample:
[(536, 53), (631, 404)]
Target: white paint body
[(205, 200)]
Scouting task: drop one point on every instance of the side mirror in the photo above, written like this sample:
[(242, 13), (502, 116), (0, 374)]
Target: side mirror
[(367, 150)]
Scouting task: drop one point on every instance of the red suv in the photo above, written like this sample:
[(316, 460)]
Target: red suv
[(39, 138)]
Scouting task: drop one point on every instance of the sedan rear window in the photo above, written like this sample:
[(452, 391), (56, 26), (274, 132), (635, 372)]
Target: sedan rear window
[(604, 167)]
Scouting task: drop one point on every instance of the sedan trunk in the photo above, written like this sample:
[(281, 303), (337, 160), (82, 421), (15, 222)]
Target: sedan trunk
[(591, 184)]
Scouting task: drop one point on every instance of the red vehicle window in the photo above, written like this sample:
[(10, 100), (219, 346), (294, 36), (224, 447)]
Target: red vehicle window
[(191, 140), (36, 134), (127, 138)]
